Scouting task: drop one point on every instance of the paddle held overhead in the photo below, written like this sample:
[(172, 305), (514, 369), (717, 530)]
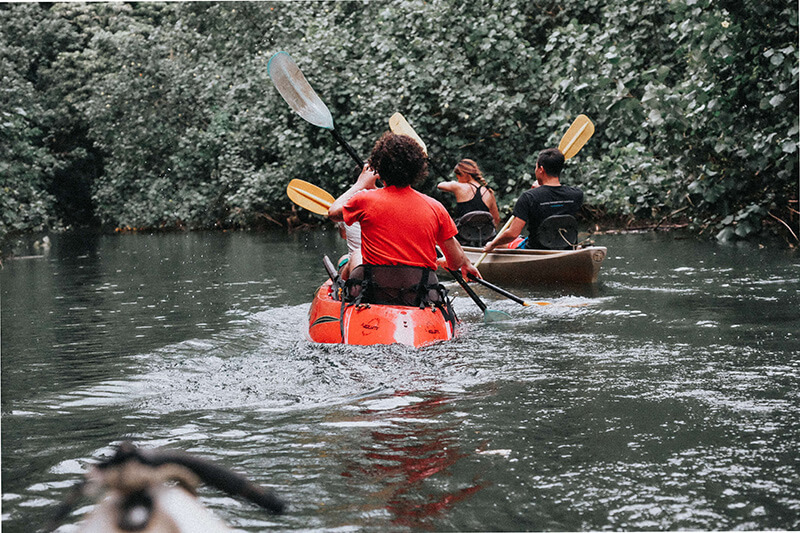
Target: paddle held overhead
[(295, 89)]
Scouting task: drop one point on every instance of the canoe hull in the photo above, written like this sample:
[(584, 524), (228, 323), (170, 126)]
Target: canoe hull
[(529, 267), (374, 324)]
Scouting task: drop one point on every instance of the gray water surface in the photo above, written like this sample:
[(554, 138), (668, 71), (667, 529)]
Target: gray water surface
[(664, 397)]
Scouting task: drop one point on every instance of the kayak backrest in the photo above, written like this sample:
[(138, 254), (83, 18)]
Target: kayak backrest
[(475, 228), (558, 232)]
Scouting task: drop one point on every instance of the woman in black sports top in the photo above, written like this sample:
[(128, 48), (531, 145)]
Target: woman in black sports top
[(471, 191)]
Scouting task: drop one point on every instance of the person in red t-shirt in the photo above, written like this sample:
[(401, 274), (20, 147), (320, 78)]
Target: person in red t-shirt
[(399, 226)]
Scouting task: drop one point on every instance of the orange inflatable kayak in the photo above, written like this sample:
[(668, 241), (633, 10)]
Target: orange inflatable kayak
[(367, 324)]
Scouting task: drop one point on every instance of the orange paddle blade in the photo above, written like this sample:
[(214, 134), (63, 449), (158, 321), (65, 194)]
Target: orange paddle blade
[(309, 196)]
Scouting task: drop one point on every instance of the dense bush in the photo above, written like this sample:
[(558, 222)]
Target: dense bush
[(163, 115)]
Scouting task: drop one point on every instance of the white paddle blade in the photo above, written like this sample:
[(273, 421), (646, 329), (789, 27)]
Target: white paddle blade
[(295, 89), (400, 126), (578, 133)]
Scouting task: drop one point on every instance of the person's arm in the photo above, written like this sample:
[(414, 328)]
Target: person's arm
[(457, 259), (448, 186), (505, 237), (492, 203), (366, 180)]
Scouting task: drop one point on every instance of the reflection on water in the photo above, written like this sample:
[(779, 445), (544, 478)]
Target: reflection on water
[(665, 397), (407, 453)]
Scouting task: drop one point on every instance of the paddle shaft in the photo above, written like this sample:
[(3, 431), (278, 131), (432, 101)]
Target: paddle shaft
[(352, 153), (500, 291), (505, 227), (457, 276)]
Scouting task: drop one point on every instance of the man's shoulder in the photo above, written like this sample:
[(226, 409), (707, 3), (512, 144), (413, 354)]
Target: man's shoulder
[(359, 196), (534, 193), (546, 190), (574, 192), (425, 198)]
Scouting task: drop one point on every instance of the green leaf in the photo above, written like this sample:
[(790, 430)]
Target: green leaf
[(744, 229), (776, 59)]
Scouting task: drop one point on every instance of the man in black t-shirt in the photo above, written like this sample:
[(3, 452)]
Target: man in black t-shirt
[(547, 197)]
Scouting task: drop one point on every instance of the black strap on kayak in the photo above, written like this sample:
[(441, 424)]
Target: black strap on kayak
[(396, 285), (393, 285)]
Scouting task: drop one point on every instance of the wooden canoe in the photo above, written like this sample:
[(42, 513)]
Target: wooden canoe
[(529, 267)]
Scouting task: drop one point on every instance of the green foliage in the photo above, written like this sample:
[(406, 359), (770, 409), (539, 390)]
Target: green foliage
[(706, 91), (165, 114), (24, 162)]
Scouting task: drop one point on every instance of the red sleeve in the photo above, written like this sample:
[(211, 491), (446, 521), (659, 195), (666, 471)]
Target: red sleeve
[(447, 228), (353, 209)]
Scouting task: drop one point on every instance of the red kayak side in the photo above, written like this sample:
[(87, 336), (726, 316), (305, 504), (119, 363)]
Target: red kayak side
[(369, 324)]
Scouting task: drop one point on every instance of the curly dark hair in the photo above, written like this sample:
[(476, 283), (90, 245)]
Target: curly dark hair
[(399, 160)]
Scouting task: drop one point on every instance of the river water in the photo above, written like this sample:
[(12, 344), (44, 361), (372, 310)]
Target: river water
[(667, 396)]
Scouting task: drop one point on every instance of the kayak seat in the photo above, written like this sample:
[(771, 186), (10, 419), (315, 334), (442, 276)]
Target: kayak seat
[(475, 228), (558, 232)]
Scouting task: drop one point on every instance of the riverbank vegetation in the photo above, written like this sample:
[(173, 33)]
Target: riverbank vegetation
[(162, 115)]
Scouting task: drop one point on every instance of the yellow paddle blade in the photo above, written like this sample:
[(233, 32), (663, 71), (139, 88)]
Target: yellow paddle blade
[(400, 126), (309, 196), (576, 136)]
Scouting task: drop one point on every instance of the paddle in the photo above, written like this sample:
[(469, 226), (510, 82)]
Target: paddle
[(399, 125), (578, 133), (309, 196), (295, 89), (573, 140), (500, 291), (489, 315)]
